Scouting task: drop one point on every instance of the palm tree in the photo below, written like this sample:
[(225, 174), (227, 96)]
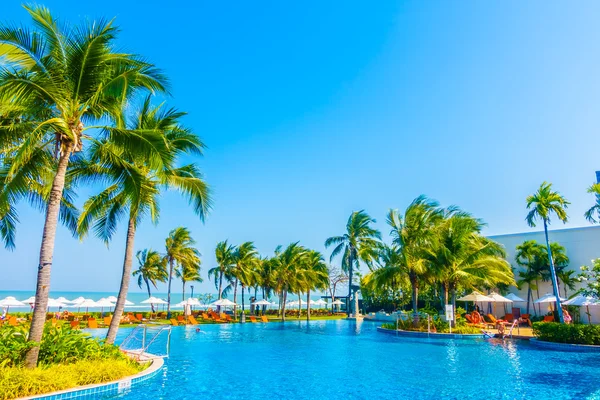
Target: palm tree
[(462, 256), (528, 255), (391, 275), (189, 272), (72, 75), (245, 261), (285, 264), (314, 276), (412, 234), (151, 269), (595, 209), (179, 250), (359, 243), (541, 204), (224, 254), (568, 279)]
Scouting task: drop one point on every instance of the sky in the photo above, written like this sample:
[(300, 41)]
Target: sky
[(312, 110)]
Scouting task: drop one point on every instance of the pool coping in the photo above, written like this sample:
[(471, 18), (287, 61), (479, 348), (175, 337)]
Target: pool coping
[(432, 335), (91, 391), (586, 348)]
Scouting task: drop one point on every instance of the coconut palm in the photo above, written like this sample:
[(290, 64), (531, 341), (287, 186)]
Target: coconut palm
[(134, 185), (224, 253), (528, 255), (359, 243), (179, 250), (594, 211), (542, 204), (462, 256), (285, 265), (314, 276), (151, 269), (392, 273), (189, 272), (244, 271), (73, 75), (568, 279), (412, 234)]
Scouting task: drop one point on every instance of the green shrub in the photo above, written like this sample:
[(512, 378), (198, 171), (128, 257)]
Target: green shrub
[(60, 344), (21, 382), (567, 333)]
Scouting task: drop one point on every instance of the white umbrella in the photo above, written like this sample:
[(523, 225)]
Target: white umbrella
[(189, 302), (154, 300), (63, 300), (581, 300), (313, 303), (224, 303), (112, 299), (337, 303), (261, 303), (9, 302), (87, 303), (78, 300), (547, 298), (514, 298), (30, 300), (496, 298), (321, 302), (127, 302), (475, 297)]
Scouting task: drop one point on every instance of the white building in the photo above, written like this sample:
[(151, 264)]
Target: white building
[(581, 244)]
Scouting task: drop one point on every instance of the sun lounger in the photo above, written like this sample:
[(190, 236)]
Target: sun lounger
[(92, 323), (192, 320), (549, 318), (107, 320), (180, 319), (139, 317), (12, 321), (174, 322), (253, 319), (525, 318), (263, 318), (74, 324), (205, 316)]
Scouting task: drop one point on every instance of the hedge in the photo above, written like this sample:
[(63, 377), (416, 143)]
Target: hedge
[(567, 333)]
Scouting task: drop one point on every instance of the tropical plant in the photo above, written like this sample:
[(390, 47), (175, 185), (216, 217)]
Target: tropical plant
[(542, 204), (594, 212), (180, 251), (151, 270), (568, 280), (590, 278), (72, 75), (412, 234), (244, 271), (134, 184), (392, 275), (189, 272), (284, 265), (359, 243), (224, 253), (314, 276)]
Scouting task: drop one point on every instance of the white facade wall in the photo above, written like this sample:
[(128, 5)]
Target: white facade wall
[(581, 244)]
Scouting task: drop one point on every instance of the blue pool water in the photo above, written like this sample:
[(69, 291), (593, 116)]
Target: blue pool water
[(343, 360)]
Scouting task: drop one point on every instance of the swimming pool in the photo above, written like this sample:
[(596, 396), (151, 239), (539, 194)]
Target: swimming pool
[(345, 360)]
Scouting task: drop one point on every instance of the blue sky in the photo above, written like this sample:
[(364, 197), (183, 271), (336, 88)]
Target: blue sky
[(314, 109)]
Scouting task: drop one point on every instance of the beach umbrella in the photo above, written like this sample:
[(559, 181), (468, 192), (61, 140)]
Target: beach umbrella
[(112, 299), (78, 300), (581, 300), (63, 300), (87, 303), (9, 302), (127, 302), (496, 298), (224, 303), (337, 303), (104, 303), (476, 297), (547, 298), (514, 298), (262, 302), (55, 303), (154, 300)]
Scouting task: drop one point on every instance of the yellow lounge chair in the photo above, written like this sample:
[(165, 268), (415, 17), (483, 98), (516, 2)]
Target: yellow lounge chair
[(253, 319), (107, 320), (12, 321), (74, 324), (174, 322), (192, 320), (263, 318), (92, 323)]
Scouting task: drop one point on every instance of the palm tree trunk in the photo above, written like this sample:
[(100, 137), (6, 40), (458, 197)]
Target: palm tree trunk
[(183, 291), (537, 290), (264, 307), (149, 294), (299, 304), (171, 262), (220, 289), (283, 306), (454, 304), (529, 295), (553, 276), (235, 299), (46, 253), (243, 319), (308, 305), (127, 263), (415, 298), (349, 300)]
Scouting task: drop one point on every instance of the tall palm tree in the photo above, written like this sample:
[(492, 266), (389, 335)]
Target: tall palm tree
[(224, 253), (412, 234), (151, 269), (75, 75), (314, 276), (568, 279), (541, 204), (134, 185), (244, 270), (189, 272), (359, 243), (179, 250), (392, 273)]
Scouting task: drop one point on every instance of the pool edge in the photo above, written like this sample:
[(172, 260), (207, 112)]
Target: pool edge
[(105, 388)]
